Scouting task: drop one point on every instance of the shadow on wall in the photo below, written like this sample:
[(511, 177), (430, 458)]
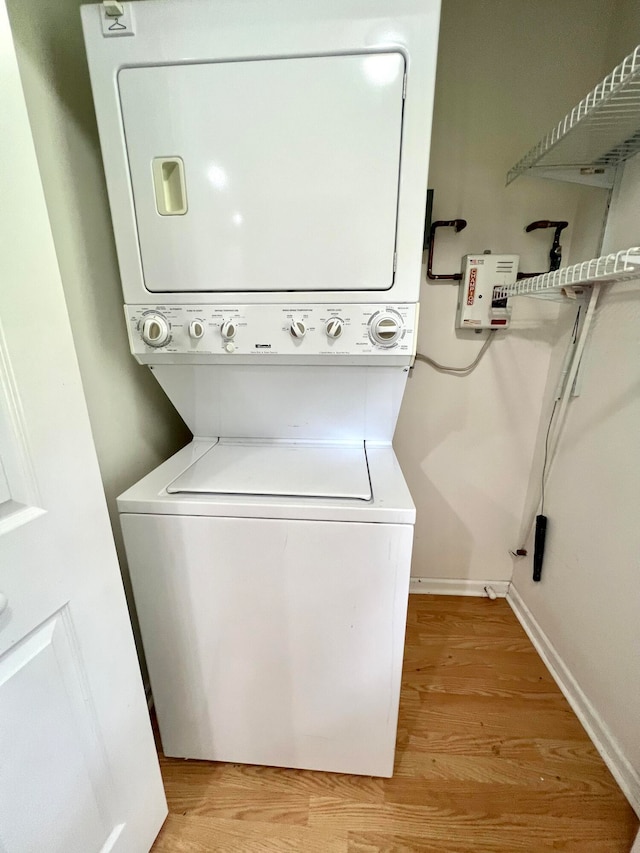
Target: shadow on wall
[(55, 76), (448, 541), (134, 425)]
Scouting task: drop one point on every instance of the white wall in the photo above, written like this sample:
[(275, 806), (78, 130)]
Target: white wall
[(134, 425), (588, 602), (466, 444), (624, 31)]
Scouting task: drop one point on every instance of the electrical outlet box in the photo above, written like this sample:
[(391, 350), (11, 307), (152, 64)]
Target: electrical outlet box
[(477, 308)]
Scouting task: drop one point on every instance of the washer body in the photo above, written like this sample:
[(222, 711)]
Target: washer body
[(273, 626)]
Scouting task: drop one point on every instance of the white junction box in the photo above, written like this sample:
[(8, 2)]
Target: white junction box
[(481, 274)]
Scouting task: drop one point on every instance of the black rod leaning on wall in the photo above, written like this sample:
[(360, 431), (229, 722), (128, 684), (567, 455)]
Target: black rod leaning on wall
[(538, 554)]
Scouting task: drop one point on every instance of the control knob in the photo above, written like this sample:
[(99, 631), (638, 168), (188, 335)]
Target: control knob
[(334, 327), (155, 329), (297, 329), (196, 329), (385, 329), (228, 330)]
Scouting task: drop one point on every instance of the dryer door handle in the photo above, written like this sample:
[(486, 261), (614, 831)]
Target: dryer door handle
[(169, 186)]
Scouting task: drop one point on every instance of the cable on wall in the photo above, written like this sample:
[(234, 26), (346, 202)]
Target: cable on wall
[(574, 340), (546, 458), (563, 395), (459, 371)]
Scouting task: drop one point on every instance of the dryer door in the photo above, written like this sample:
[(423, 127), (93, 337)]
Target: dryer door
[(266, 175)]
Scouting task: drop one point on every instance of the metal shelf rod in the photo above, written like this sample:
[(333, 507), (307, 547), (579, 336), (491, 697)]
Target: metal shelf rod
[(618, 266)]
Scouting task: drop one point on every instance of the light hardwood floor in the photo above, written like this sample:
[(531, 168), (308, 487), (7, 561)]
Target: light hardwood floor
[(489, 758)]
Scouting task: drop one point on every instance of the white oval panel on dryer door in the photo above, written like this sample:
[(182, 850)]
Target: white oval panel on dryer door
[(279, 174)]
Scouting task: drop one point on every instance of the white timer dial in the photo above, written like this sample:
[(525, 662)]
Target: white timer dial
[(385, 328), (155, 329)]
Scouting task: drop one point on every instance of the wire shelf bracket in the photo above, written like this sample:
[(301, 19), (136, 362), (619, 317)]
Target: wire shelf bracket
[(571, 282), (599, 134)]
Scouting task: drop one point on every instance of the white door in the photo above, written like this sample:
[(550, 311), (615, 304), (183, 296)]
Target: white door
[(266, 175), (78, 770)]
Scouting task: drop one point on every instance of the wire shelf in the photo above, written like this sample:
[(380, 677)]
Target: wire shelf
[(570, 281), (602, 131)]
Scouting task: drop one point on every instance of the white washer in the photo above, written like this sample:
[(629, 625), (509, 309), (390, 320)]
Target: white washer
[(274, 626), (267, 170)]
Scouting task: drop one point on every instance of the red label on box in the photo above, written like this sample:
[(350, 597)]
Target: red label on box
[(471, 293)]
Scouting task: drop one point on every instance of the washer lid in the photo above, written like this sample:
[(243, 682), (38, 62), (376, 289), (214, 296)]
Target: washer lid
[(278, 468)]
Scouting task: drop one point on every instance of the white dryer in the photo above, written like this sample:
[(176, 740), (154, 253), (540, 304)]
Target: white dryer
[(267, 169)]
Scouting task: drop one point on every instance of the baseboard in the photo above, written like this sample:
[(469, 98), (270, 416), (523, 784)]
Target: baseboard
[(598, 731), (448, 586)]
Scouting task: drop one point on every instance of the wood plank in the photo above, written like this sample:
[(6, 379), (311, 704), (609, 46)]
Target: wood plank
[(516, 841), (500, 791), (490, 759), (195, 834), (532, 776), (445, 655), (485, 715), (580, 750), (203, 778), (467, 820), (436, 810), (499, 688), (227, 801), (518, 644)]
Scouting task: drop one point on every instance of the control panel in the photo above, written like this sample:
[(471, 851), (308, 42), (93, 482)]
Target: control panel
[(250, 330)]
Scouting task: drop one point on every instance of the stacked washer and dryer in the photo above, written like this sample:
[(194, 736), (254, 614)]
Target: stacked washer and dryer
[(266, 164)]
